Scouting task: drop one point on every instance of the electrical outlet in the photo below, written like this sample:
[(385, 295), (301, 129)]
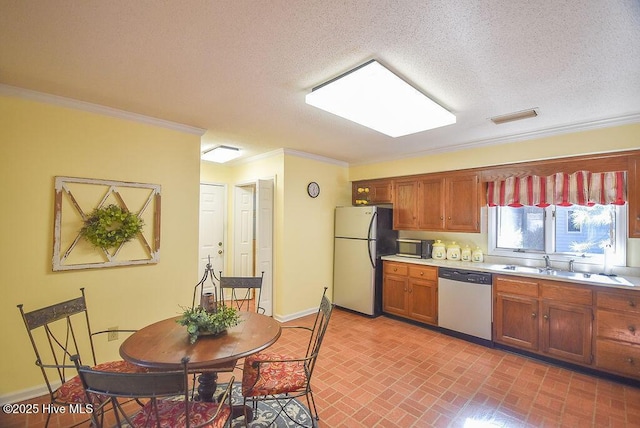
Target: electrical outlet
[(112, 334)]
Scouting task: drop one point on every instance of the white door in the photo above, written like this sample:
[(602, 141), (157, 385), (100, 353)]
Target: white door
[(243, 243), (253, 236), (211, 226), (264, 241)]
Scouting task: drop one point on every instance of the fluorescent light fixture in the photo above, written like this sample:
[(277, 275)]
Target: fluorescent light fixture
[(374, 97), (519, 115), (221, 154)]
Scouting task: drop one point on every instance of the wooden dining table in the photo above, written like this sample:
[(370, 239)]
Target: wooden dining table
[(163, 345)]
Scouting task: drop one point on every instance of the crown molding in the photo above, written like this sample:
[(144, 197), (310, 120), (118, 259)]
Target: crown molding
[(514, 138), (28, 94), (297, 153), (290, 152)]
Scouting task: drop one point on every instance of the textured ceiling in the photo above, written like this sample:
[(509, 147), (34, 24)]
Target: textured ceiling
[(240, 69)]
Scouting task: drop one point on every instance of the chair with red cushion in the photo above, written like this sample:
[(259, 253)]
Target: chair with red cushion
[(58, 331), (166, 395), (280, 377)]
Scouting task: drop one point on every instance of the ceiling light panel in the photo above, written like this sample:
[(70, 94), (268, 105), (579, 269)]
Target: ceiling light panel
[(221, 154), (374, 97)]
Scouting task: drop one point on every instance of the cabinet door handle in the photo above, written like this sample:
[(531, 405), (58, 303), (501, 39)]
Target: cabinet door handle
[(546, 317), (421, 273), (630, 360), (632, 329), (632, 303), (533, 315)]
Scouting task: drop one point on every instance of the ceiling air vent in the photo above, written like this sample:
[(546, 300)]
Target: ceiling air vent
[(519, 115)]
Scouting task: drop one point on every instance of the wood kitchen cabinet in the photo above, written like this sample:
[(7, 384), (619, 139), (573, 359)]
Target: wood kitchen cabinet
[(410, 291), (445, 202), (515, 315), (395, 284), (405, 204), (566, 321), (618, 332), (546, 317), (371, 192)]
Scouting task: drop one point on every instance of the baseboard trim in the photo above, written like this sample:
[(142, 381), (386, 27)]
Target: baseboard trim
[(26, 394)]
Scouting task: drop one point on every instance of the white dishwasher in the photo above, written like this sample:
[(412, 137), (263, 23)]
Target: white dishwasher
[(464, 302)]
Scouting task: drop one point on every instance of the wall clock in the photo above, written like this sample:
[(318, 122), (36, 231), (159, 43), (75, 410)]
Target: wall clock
[(313, 189)]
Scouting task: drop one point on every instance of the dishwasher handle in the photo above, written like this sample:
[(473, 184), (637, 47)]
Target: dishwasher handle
[(462, 275)]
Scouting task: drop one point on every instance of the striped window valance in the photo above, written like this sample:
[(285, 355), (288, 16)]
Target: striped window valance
[(579, 188)]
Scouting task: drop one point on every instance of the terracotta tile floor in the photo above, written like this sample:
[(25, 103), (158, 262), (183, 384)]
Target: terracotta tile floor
[(386, 373)]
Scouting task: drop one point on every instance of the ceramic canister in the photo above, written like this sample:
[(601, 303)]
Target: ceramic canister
[(465, 254), (477, 255), (453, 251), (439, 252)]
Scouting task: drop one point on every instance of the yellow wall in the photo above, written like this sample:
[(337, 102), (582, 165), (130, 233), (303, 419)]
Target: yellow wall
[(40, 141), (303, 238), (596, 141), (307, 256)]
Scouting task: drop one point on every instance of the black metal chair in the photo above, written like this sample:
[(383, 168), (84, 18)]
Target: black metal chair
[(167, 398), (240, 289), (56, 333), (281, 377)]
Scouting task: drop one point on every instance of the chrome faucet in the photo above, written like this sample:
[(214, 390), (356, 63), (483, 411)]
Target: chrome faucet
[(571, 265), (547, 262)]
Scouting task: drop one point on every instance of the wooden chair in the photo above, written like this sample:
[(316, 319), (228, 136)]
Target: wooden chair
[(282, 377), (166, 395), (56, 333), (240, 289)]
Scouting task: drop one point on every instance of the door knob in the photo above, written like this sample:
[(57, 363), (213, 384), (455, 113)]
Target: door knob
[(220, 251), (219, 244)]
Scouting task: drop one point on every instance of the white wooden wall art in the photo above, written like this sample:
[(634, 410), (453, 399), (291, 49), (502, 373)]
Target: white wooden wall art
[(76, 198)]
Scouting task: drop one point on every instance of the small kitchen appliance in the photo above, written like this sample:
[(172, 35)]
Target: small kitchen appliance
[(416, 248)]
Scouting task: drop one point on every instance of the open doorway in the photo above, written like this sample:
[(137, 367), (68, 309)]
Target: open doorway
[(211, 242), (253, 235)]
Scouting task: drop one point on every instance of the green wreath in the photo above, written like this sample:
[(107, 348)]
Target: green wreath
[(111, 226)]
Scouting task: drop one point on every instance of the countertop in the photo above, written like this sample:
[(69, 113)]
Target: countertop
[(626, 282)]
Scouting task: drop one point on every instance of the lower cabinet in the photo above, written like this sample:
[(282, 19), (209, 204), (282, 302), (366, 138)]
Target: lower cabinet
[(410, 291), (545, 317), (618, 332), (515, 312)]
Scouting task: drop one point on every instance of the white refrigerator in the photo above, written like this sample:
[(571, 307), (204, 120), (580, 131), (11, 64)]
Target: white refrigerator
[(362, 235)]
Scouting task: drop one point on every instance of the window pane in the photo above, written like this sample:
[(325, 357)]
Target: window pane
[(584, 230), (520, 228)]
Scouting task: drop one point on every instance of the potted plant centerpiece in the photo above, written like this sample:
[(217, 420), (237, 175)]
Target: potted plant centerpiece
[(200, 321), (211, 317)]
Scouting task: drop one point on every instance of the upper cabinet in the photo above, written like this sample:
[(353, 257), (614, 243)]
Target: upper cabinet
[(444, 202), (633, 187), (371, 192)]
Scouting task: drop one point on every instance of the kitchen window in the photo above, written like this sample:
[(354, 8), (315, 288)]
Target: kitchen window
[(580, 216), (581, 233)]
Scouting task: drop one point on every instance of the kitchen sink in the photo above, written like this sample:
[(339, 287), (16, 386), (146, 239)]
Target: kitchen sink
[(579, 276), (524, 269)]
